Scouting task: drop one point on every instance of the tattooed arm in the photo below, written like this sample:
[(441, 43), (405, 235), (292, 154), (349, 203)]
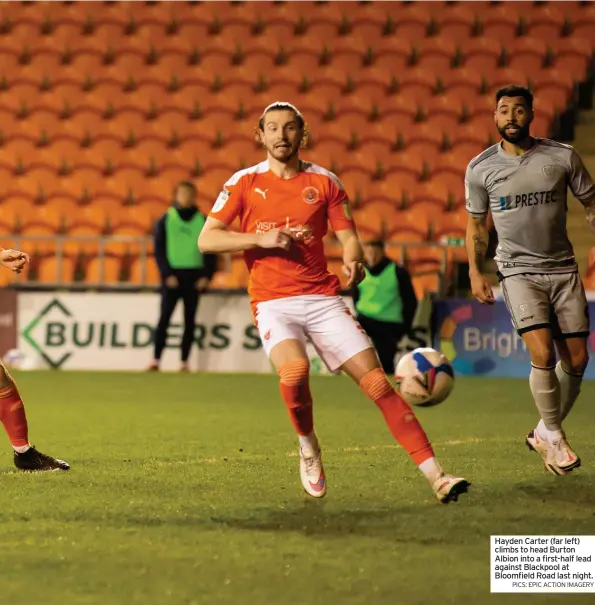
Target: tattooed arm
[(477, 202), (590, 213), (477, 243)]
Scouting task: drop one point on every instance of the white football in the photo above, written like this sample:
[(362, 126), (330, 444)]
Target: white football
[(424, 377)]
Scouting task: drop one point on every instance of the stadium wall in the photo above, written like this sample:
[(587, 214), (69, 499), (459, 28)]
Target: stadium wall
[(480, 340), (114, 331)]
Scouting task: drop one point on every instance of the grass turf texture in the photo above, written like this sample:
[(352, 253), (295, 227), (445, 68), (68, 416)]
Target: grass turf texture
[(184, 489)]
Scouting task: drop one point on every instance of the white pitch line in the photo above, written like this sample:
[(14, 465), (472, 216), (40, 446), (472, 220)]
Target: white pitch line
[(349, 449)]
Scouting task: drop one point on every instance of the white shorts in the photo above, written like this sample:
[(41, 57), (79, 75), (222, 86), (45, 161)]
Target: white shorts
[(323, 320)]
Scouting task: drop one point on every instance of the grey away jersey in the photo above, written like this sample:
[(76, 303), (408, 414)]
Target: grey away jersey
[(527, 198)]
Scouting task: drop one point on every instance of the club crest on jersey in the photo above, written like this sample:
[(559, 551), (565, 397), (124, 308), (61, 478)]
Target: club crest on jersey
[(549, 171), (310, 195)]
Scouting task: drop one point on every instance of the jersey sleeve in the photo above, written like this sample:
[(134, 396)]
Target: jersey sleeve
[(230, 201), (579, 179), (339, 209), (477, 200)]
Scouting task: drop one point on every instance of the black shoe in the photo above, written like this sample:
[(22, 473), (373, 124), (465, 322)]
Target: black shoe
[(33, 460)]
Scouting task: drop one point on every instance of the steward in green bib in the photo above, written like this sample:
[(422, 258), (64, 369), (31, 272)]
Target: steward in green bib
[(185, 271), (385, 303)]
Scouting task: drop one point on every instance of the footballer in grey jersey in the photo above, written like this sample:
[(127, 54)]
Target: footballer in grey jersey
[(523, 182), (527, 196)]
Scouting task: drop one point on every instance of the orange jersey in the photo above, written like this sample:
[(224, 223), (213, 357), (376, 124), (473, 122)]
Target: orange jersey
[(307, 202)]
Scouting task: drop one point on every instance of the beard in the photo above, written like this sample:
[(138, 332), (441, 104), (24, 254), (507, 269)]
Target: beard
[(284, 154), (520, 135)]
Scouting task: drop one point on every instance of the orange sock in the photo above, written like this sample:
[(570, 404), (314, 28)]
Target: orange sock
[(12, 415), (400, 418), (295, 390)]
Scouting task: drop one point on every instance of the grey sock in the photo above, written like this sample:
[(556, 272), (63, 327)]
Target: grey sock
[(570, 387), (546, 393)]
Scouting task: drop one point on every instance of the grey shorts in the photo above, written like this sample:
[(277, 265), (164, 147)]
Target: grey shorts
[(556, 301)]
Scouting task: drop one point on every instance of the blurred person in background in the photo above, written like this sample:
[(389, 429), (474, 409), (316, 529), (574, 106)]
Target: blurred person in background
[(185, 271), (385, 302)]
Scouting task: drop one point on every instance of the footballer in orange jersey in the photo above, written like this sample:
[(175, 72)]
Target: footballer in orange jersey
[(12, 409), (284, 206)]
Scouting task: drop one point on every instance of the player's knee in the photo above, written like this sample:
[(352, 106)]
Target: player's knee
[(543, 356), (294, 373), (578, 361)]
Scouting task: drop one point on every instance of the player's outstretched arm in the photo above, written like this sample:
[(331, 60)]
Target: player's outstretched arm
[(477, 240), (14, 260), (216, 238), (353, 256)]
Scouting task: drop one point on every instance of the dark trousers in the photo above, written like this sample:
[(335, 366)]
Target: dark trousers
[(385, 337), (169, 299)]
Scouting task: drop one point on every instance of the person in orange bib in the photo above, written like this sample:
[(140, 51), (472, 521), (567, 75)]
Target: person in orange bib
[(283, 206)]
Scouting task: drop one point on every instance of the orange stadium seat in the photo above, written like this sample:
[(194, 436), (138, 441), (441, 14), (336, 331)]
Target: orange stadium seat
[(151, 271), (462, 81), (556, 85), (19, 152), (412, 19), (409, 228), (391, 55), (399, 97), (423, 259), (501, 22), (482, 54), (41, 123), (584, 22), (425, 283), (526, 54), (85, 125), (66, 34), (418, 84), (83, 64), (20, 35), (504, 76), (545, 21), (15, 209), (54, 270), (103, 270), (450, 224), (457, 22), (573, 55), (445, 103)]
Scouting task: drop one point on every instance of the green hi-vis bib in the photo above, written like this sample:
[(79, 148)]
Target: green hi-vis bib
[(379, 296), (181, 240)]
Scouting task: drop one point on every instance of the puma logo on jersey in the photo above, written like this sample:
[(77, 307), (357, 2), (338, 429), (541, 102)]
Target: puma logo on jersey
[(263, 193)]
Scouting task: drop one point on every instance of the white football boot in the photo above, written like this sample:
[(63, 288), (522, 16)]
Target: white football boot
[(312, 474), (562, 455), (558, 458), (448, 488)]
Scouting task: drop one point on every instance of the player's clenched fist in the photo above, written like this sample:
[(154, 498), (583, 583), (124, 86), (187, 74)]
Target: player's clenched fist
[(275, 238), (14, 260), (481, 289)]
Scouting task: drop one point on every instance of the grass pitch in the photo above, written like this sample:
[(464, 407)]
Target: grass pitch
[(184, 489)]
